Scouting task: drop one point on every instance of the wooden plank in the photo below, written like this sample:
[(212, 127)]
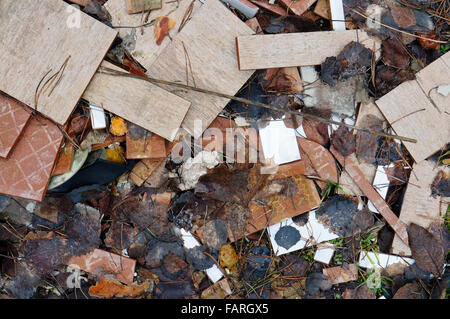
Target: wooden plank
[(37, 38), (144, 48), (135, 6), (434, 75), (298, 7), (410, 113), (418, 205), (208, 42), (295, 49), (322, 9), (138, 101), (352, 168)]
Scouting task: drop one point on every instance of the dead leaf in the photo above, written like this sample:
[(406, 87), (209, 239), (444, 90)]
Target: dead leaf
[(410, 291), (394, 54), (344, 141), (404, 17), (428, 250), (109, 288), (162, 27), (118, 126)]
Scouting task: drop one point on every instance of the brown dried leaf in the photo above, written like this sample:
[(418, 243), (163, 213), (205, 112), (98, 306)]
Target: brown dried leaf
[(395, 54), (109, 288), (162, 27), (428, 250), (404, 17), (410, 291), (344, 141)]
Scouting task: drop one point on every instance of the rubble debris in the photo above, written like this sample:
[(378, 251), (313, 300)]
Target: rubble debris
[(342, 274), (371, 260), (196, 167), (244, 6), (274, 8), (283, 80), (287, 236), (324, 253), (418, 205), (215, 234), (13, 118), (72, 67), (105, 90), (255, 51), (422, 119), (298, 7), (219, 290), (101, 263), (143, 144), (27, 171), (278, 142), (65, 159)]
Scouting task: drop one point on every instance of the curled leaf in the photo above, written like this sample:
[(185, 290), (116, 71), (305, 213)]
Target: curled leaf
[(162, 27)]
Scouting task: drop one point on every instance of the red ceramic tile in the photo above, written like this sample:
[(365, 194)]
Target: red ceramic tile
[(27, 171), (13, 118)]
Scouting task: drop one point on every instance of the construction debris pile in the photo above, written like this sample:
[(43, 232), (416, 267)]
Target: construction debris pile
[(239, 149)]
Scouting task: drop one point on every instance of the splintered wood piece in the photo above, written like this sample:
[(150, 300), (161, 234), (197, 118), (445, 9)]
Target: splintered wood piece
[(142, 144), (143, 41), (139, 102), (281, 207), (322, 9), (341, 274), (380, 204), (418, 206), (296, 49), (100, 260), (208, 36), (14, 116), (142, 170), (411, 113), (274, 8), (298, 7), (65, 159), (135, 6), (254, 25), (50, 52), (321, 160)]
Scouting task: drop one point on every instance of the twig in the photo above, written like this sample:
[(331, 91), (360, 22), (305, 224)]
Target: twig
[(247, 101)]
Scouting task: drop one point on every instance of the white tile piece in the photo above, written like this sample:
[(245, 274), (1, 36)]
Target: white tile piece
[(189, 241), (310, 234), (370, 260), (279, 142), (337, 15), (98, 119), (324, 253)]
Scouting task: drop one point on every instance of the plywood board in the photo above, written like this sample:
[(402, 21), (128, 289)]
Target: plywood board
[(27, 171), (208, 42), (434, 75), (142, 41), (37, 38), (137, 101), (418, 205), (13, 118), (411, 113), (295, 49)]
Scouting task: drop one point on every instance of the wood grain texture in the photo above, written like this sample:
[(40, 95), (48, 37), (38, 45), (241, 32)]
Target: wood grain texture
[(138, 101), (352, 168), (209, 40), (38, 37), (418, 205), (295, 49), (134, 6), (411, 113), (144, 47), (80, 2), (434, 75)]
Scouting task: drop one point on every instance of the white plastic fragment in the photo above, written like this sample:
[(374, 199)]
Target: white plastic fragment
[(311, 233), (98, 119), (324, 253), (444, 89), (279, 142), (309, 76), (381, 184), (244, 7), (370, 260), (337, 15), (189, 242)]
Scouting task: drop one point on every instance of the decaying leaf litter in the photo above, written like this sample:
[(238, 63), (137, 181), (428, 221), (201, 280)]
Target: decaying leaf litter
[(331, 198)]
